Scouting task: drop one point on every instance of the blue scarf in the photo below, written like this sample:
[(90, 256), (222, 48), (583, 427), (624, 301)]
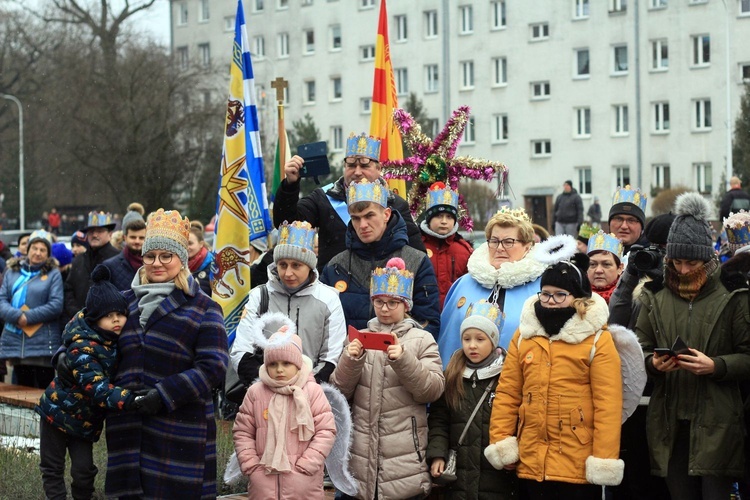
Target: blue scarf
[(19, 290)]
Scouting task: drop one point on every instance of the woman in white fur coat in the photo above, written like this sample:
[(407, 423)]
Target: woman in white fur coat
[(557, 411)]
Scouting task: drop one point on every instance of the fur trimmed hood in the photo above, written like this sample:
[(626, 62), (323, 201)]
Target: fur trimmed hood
[(510, 274), (574, 331), (16, 263)]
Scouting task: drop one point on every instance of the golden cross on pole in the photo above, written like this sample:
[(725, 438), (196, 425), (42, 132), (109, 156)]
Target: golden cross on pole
[(279, 84)]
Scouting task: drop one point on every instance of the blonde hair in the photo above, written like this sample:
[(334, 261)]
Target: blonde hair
[(180, 281), (582, 305), (197, 229), (512, 218)]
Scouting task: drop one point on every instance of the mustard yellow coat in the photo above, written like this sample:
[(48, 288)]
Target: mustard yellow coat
[(557, 411)]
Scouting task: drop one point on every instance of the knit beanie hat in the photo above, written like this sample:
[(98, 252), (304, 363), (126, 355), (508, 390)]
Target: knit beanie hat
[(570, 275), (103, 297), (168, 231), (487, 317), (135, 212), (44, 237), (296, 242), (63, 255), (79, 238), (283, 346), (690, 236), (629, 201), (657, 229)]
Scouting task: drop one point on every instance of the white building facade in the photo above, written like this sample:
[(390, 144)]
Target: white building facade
[(601, 92)]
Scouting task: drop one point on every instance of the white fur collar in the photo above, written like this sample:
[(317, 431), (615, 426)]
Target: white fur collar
[(574, 331), (510, 274), (266, 325)]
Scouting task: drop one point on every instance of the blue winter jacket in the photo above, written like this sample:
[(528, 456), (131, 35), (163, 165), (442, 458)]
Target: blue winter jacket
[(120, 270), (350, 271), (44, 299)]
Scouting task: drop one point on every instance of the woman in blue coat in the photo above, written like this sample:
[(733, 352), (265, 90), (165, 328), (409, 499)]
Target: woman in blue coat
[(174, 352), (31, 301)]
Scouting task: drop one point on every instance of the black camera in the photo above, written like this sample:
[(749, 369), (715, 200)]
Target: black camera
[(646, 259)]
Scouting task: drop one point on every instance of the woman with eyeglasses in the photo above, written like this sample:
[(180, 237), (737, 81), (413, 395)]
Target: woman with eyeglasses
[(558, 406), (502, 271), (389, 389), (173, 353)]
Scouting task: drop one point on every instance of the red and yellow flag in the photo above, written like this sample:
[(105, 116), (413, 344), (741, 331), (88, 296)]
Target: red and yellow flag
[(384, 101)]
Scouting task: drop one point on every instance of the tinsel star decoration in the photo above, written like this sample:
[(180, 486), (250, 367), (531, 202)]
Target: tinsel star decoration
[(435, 160)]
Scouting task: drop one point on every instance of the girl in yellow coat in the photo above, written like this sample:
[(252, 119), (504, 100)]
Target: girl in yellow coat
[(557, 411)]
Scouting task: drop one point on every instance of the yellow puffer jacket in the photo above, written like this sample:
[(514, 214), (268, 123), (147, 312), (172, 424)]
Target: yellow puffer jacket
[(557, 410)]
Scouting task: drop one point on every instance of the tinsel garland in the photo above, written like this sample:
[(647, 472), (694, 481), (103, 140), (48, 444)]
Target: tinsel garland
[(434, 160)]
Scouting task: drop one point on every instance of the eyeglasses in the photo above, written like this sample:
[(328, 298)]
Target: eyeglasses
[(557, 297), (622, 220), (352, 161), (391, 304), (164, 258), (507, 242)]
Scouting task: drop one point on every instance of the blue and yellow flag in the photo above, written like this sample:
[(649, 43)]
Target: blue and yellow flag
[(242, 205)]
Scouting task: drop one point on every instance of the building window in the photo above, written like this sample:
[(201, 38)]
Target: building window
[(701, 50), (309, 41), (584, 180), (657, 4), (582, 63), (402, 81), (367, 52), (467, 19), (204, 50), (580, 9), (616, 6), (366, 4), (365, 105), (499, 71), (500, 128), (661, 176), (540, 90), (467, 75), (745, 72), (336, 92), (659, 55), (622, 175), (307, 2), (283, 41), (282, 4), (703, 175), (229, 23), (497, 11), (182, 57), (469, 137), (259, 47), (661, 117), (702, 114), (620, 125), (432, 78), (620, 59), (336, 37), (539, 31), (583, 123), (430, 24), (337, 137), (310, 92), (541, 148), (182, 14), (401, 30), (258, 5), (696, 2), (744, 7), (203, 12)]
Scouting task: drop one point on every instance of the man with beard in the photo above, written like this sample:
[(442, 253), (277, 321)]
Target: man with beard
[(98, 233), (123, 266)]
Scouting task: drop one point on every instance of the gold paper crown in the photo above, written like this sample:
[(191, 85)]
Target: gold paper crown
[(169, 224), (519, 214)]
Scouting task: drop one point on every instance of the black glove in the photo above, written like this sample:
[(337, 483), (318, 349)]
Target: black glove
[(64, 373), (148, 404)]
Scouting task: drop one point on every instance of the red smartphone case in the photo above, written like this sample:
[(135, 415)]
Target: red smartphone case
[(376, 341)]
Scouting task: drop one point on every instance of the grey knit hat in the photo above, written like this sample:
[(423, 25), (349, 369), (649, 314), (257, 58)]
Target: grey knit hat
[(296, 242), (135, 212), (690, 235), (168, 231), (484, 316)]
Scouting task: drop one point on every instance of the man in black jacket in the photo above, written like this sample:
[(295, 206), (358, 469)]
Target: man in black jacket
[(734, 200), (98, 233), (123, 266), (325, 208), (568, 211)]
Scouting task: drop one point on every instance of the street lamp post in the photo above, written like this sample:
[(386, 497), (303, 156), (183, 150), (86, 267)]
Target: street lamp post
[(21, 189)]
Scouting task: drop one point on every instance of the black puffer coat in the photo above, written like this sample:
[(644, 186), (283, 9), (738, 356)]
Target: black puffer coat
[(477, 479)]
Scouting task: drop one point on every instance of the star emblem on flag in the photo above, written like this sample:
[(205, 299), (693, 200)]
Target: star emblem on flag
[(233, 188)]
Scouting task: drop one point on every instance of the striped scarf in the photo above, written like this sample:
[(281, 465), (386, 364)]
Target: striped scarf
[(689, 285)]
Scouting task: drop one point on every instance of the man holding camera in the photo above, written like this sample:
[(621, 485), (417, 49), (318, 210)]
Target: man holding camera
[(326, 209)]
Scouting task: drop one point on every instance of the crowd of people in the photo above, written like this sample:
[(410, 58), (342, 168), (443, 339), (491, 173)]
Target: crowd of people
[(577, 365)]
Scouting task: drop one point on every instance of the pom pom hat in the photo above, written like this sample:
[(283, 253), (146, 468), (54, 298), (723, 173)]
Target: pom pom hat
[(168, 231), (283, 346), (393, 280), (690, 236), (103, 297), (296, 241), (487, 317)]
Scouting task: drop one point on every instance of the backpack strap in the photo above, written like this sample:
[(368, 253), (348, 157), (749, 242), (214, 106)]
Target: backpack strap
[(593, 346)]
